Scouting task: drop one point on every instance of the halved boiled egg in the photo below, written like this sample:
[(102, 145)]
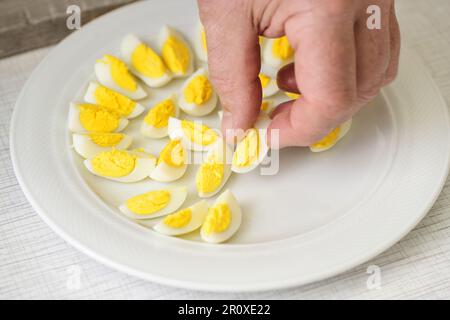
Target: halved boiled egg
[(89, 144), (332, 138), (252, 149), (200, 43), (121, 165), (156, 122), (183, 221), (155, 203), (276, 54), (172, 162), (223, 219), (113, 100), (215, 170), (176, 52), (85, 117), (194, 135), (113, 73), (144, 62), (198, 97), (268, 84)]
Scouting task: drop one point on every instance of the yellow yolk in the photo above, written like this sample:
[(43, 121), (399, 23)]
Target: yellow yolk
[(247, 151), (328, 140), (178, 219), (205, 48), (210, 175), (96, 118), (218, 219), (114, 101), (198, 133), (149, 202), (264, 80), (198, 90), (172, 154), (114, 163), (293, 95), (159, 115), (147, 62), (119, 73), (260, 40), (264, 106), (282, 49), (106, 139), (176, 55)]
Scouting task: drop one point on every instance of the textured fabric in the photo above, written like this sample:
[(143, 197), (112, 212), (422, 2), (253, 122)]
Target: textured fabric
[(36, 263)]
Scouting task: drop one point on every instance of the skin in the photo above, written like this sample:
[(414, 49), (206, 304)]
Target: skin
[(339, 64)]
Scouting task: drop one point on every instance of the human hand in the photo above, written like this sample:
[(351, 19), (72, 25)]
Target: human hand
[(340, 64)]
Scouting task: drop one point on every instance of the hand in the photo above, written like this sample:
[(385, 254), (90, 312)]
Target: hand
[(340, 64)]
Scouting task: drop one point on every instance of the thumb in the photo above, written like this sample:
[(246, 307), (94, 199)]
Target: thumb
[(234, 61)]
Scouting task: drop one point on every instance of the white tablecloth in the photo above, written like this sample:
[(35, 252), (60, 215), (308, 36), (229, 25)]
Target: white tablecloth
[(36, 263)]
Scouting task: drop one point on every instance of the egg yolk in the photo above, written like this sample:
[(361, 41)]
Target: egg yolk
[(96, 118), (247, 151), (218, 219), (265, 106), (114, 101), (149, 202), (328, 140), (114, 163), (293, 95), (210, 175), (264, 80), (205, 48), (147, 62), (178, 219), (119, 73), (198, 90), (282, 49), (106, 139), (159, 115), (198, 133), (176, 55), (172, 154)]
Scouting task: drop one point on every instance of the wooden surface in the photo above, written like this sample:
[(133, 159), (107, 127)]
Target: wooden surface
[(36, 263), (30, 24)]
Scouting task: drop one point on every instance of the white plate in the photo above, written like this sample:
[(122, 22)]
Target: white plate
[(320, 215)]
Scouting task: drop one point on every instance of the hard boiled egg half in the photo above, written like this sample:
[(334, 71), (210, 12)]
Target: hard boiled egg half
[(268, 84), (156, 122), (114, 74), (172, 162), (85, 117), (121, 165), (122, 105), (89, 144), (198, 97), (252, 149), (155, 203), (332, 138), (276, 54), (144, 62), (223, 219), (176, 52), (215, 170), (183, 221), (194, 135)]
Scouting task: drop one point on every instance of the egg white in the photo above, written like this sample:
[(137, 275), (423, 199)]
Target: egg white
[(104, 76), (166, 173), (193, 109), (270, 89), (87, 148), (198, 213), (165, 33), (127, 47), (236, 218), (90, 98), (177, 197), (76, 126), (345, 128), (176, 132), (143, 168), (270, 62), (157, 133)]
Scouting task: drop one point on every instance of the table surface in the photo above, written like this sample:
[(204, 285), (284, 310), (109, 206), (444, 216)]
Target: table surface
[(37, 263)]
